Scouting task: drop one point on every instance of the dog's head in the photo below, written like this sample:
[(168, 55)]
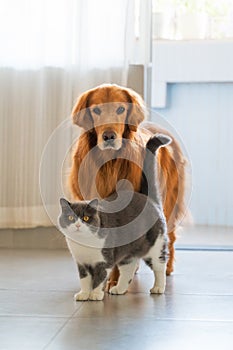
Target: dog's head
[(109, 110)]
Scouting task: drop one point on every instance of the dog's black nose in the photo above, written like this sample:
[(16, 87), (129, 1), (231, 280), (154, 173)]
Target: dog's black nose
[(109, 136)]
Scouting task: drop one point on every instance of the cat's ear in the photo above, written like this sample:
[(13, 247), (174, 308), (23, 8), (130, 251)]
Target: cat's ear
[(64, 203), (94, 203)]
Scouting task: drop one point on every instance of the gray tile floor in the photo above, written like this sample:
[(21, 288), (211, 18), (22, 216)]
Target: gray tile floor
[(37, 310)]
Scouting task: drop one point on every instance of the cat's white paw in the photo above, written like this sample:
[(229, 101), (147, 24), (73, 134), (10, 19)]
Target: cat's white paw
[(96, 295), (81, 296), (116, 290), (157, 290)]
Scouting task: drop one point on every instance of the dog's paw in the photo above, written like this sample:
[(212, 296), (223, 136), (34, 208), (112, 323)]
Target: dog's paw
[(169, 270), (81, 296), (109, 285), (116, 290), (157, 290), (96, 295)]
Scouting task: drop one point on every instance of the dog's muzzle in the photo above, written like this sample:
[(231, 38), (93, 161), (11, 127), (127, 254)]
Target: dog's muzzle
[(109, 138)]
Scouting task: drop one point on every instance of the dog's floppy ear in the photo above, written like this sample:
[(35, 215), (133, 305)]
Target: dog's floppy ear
[(81, 114), (137, 110)]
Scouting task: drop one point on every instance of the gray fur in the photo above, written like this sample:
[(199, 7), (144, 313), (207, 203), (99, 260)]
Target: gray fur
[(99, 274), (163, 255), (107, 226), (148, 262), (82, 271)]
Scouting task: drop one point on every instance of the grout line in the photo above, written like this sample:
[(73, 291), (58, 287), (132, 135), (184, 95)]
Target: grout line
[(36, 316), (195, 320), (56, 333), (130, 292), (168, 319), (36, 290), (61, 328)]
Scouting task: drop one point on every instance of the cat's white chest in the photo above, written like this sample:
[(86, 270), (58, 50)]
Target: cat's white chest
[(84, 254), (84, 245)]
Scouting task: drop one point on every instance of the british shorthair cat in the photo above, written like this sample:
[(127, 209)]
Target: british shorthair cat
[(118, 231)]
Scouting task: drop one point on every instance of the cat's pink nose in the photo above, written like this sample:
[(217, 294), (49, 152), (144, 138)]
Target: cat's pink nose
[(78, 225)]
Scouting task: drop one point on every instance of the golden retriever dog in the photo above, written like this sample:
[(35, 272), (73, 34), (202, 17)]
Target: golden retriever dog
[(110, 149)]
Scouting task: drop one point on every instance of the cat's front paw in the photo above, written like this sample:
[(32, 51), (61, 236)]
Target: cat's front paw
[(96, 295), (116, 290), (81, 296), (157, 290)]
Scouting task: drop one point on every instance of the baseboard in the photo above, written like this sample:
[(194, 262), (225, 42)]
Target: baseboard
[(36, 238), (193, 237)]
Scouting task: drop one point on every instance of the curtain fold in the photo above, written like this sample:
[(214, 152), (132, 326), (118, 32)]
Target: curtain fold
[(50, 54)]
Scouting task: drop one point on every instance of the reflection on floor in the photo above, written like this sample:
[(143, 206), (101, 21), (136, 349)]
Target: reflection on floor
[(37, 310)]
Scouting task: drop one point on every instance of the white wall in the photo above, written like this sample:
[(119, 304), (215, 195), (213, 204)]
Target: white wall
[(203, 115)]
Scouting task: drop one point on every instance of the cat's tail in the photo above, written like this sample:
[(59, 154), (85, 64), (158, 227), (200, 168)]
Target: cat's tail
[(149, 185), (157, 141)]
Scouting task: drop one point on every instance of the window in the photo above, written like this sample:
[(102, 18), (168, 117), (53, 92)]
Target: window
[(192, 19), (62, 33)]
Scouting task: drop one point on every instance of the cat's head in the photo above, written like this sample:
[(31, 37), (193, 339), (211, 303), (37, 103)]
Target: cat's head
[(79, 218)]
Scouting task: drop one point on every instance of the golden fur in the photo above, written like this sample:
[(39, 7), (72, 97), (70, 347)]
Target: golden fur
[(90, 162)]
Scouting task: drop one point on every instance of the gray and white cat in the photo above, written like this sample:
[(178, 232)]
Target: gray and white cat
[(100, 235)]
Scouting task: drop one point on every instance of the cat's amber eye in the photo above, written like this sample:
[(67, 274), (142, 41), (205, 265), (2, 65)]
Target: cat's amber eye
[(70, 217), (86, 218)]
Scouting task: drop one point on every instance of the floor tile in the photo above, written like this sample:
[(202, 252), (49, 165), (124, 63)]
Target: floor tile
[(37, 310), (136, 334), (215, 263), (60, 304), (175, 307), (38, 270), (198, 283), (205, 236), (28, 333)]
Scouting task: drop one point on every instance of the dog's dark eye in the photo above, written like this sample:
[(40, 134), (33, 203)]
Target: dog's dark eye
[(97, 110), (120, 110)]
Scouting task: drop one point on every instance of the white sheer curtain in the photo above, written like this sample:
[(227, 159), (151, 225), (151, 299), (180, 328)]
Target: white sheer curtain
[(50, 51)]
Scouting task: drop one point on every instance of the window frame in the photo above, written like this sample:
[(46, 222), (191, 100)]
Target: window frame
[(189, 61)]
